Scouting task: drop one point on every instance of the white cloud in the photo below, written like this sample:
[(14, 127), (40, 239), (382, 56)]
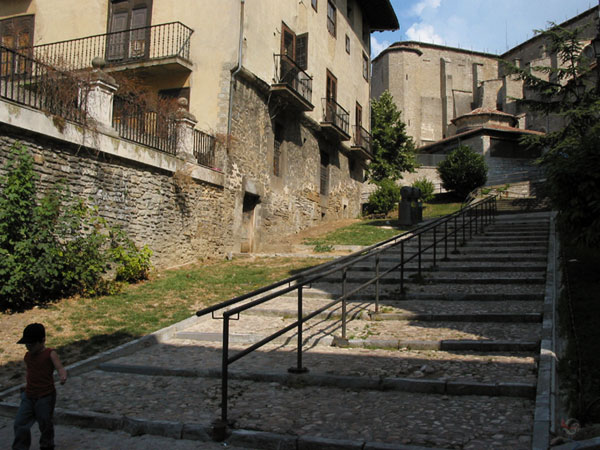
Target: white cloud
[(423, 32), (377, 47), (419, 7)]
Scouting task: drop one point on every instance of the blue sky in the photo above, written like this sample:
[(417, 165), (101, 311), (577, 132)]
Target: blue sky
[(483, 25)]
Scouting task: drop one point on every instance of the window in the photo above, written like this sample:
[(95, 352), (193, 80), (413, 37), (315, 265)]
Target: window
[(331, 17), (358, 118), (16, 33), (365, 67), (125, 15), (347, 44), (314, 4), (324, 174)]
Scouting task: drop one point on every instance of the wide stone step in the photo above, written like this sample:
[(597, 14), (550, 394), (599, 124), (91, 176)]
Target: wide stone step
[(304, 413), (451, 266), (469, 278)]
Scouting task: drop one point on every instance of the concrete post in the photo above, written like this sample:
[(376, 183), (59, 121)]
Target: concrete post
[(99, 100), (185, 131)]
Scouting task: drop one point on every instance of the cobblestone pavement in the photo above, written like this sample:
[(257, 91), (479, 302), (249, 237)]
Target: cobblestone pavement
[(73, 438)]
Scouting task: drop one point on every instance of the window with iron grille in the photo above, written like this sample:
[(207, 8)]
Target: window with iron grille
[(331, 17), (365, 67)]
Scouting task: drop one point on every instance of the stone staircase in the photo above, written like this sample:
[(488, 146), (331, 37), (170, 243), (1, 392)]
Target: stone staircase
[(451, 362)]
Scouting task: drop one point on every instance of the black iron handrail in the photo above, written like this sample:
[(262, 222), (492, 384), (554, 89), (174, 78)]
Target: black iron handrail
[(335, 114), (288, 72), (27, 81), (475, 216), (154, 42)]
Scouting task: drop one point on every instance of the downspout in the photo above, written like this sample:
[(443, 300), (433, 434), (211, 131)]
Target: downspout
[(237, 69)]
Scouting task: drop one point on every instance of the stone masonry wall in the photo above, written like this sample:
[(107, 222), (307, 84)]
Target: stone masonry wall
[(179, 218), (291, 201)]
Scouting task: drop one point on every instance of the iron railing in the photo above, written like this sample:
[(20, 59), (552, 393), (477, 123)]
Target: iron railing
[(147, 126), (204, 148), (289, 73), (155, 42), (27, 81), (445, 234), (362, 138), (333, 113)]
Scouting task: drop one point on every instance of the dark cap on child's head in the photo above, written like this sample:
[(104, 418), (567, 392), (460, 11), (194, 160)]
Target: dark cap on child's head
[(34, 332)]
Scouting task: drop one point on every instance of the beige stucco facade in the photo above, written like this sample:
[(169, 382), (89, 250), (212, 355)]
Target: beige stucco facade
[(286, 164)]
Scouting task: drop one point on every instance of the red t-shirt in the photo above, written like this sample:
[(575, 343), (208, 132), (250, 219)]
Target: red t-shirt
[(40, 371)]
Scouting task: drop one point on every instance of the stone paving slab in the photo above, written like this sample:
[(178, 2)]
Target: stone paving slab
[(360, 329), (469, 422), (358, 362)]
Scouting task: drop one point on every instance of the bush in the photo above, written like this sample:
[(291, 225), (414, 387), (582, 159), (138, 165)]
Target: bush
[(55, 246), (427, 188), (462, 171), (385, 198)]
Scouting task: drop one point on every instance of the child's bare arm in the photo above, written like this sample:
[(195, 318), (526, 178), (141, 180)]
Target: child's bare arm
[(62, 373)]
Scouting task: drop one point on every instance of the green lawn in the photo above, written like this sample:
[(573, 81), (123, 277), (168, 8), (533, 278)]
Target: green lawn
[(370, 231)]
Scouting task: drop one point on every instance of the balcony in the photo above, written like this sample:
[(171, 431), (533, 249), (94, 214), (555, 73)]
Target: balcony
[(361, 146), (154, 49), (336, 120), (292, 84)]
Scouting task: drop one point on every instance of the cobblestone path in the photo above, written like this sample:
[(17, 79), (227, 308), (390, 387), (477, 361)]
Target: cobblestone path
[(451, 362)]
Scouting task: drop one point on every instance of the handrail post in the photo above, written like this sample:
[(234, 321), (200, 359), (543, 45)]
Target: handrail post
[(402, 267), (377, 283), (434, 247), (344, 277), (455, 251), (476, 219), (419, 256), (299, 368), (464, 228), (470, 224), (445, 240), (224, 369)]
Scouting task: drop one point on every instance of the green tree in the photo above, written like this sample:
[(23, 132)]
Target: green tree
[(463, 170), (393, 149), (385, 198), (570, 155)]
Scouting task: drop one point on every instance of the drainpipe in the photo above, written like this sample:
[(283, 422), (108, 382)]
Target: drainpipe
[(238, 67)]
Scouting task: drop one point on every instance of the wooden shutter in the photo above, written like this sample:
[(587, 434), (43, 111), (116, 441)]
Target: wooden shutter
[(302, 51), (117, 38)]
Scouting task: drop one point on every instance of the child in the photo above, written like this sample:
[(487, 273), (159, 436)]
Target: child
[(39, 397)]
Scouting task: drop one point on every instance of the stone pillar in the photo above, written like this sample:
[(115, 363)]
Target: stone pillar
[(99, 101), (185, 131)]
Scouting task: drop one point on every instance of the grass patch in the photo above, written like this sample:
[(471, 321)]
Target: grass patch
[(370, 231), (579, 311), (82, 327)]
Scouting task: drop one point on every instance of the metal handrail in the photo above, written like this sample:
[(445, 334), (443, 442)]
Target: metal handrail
[(288, 72), (120, 47), (362, 138), (479, 214)]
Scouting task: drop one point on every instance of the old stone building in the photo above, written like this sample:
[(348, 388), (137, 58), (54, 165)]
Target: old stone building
[(278, 97), (450, 96)]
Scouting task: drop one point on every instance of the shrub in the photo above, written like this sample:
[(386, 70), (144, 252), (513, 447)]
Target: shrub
[(385, 198), (55, 245), (427, 188), (462, 171)]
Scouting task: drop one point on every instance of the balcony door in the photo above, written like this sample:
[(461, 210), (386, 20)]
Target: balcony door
[(129, 36), (17, 34), (358, 132), (331, 97)]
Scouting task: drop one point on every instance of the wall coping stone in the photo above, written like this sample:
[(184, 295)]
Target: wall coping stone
[(29, 119)]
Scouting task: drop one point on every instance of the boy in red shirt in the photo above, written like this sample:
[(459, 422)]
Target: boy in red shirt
[(39, 397)]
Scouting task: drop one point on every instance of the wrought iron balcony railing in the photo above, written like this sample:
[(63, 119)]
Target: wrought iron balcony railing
[(288, 73), (147, 126), (204, 148), (29, 82), (336, 115), (362, 139), (167, 40)]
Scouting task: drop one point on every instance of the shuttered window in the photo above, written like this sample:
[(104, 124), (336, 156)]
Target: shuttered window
[(331, 17), (16, 33), (302, 51), (129, 38)]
